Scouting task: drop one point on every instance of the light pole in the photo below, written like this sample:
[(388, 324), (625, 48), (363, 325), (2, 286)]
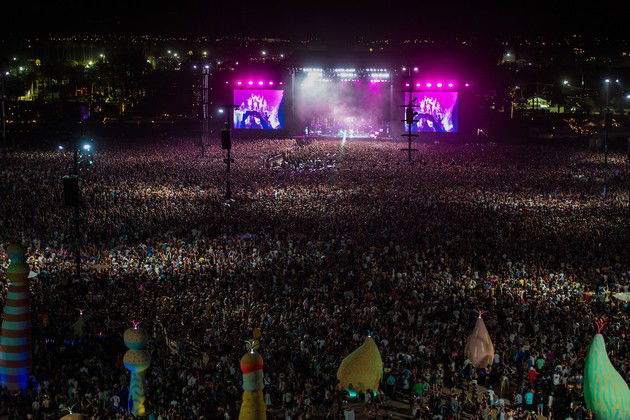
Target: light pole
[(607, 82), (205, 133), (2, 111), (410, 113), (628, 157), (226, 143), (73, 184)]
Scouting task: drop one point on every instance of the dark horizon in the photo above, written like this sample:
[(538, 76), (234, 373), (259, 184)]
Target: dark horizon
[(338, 22)]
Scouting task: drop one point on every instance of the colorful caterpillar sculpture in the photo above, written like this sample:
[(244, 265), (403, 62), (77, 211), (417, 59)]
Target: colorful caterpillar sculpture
[(137, 360)]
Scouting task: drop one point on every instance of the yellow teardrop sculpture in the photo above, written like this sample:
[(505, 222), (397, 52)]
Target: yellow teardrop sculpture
[(362, 370)]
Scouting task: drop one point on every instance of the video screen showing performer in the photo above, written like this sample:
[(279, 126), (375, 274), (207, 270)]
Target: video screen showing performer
[(434, 112), (259, 109)]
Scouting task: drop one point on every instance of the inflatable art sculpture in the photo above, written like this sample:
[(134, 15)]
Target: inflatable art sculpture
[(605, 392), (253, 405), (479, 348), (71, 415), (137, 360), (362, 369), (15, 337)]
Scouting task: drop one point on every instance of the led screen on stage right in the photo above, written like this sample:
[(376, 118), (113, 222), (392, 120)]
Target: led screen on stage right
[(436, 112)]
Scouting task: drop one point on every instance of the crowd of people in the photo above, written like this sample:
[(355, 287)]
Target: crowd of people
[(538, 237)]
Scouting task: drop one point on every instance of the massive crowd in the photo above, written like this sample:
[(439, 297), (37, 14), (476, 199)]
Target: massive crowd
[(317, 256)]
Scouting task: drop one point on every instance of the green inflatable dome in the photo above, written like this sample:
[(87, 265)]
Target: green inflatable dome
[(605, 392)]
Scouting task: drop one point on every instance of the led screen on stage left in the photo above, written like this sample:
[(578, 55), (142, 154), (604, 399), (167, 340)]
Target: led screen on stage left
[(437, 112), (259, 109)]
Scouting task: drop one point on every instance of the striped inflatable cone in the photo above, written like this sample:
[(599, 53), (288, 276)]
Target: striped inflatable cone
[(15, 336)]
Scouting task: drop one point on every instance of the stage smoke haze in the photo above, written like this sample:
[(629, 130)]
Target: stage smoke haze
[(338, 108)]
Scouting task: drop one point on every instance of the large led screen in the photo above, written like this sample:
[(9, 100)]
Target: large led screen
[(259, 109), (436, 112)]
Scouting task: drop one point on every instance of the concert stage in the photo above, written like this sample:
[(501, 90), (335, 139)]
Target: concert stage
[(346, 103)]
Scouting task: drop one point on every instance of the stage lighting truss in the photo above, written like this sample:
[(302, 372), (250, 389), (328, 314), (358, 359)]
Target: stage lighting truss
[(343, 74)]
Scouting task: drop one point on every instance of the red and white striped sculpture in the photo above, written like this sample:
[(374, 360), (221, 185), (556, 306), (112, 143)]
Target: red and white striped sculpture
[(15, 336)]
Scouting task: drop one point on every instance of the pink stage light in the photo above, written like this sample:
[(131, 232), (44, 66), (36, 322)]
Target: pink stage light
[(439, 84), (407, 84), (466, 85), (239, 83), (227, 82), (417, 84), (450, 85), (280, 82), (250, 83), (270, 83), (429, 84), (260, 83)]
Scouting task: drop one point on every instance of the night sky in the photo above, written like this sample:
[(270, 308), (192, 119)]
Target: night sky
[(325, 20)]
